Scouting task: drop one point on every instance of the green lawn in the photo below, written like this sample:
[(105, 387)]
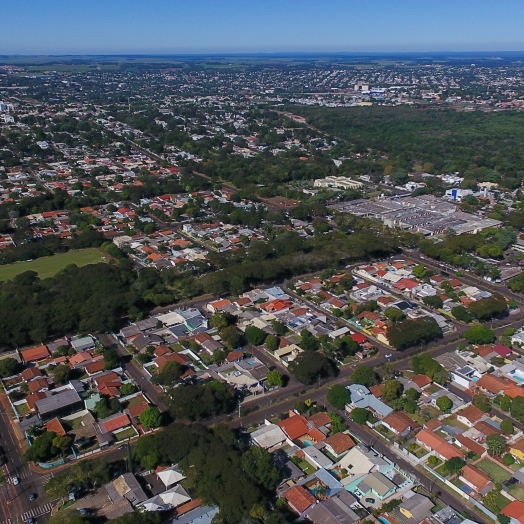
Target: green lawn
[(517, 492), (22, 409), (127, 433), (49, 266), (496, 472)]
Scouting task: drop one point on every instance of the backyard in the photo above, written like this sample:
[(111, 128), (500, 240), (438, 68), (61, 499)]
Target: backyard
[(517, 492), (496, 472), (50, 266), (127, 433)]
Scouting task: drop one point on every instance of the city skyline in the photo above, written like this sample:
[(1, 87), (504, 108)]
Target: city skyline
[(274, 27)]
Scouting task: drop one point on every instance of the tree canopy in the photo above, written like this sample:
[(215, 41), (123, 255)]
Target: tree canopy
[(310, 365)]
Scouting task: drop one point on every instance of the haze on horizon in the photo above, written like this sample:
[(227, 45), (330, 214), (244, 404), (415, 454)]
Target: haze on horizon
[(233, 26)]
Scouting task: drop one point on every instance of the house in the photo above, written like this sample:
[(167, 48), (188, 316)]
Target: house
[(34, 354), (136, 410), (422, 381), (416, 507), (335, 510), (470, 445), (361, 397), (470, 416), (300, 500), (376, 485), (269, 437), (476, 479), (235, 356), (288, 353), (126, 487), (359, 461), (295, 426), (502, 351), (339, 444), (114, 423), (400, 424), (38, 384), (218, 305), (515, 511), (55, 426), (494, 385), (64, 403), (169, 499), (170, 476), (83, 344), (316, 458), (31, 373), (438, 445)]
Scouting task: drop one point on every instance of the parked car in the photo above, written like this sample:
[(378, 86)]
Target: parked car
[(16, 480), (32, 496), (122, 446)]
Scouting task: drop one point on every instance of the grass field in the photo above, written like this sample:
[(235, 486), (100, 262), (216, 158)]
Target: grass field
[(497, 473), (49, 266)]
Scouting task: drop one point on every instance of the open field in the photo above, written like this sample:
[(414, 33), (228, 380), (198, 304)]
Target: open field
[(49, 266)]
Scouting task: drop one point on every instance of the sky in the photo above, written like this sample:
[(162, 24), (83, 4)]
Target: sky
[(265, 26)]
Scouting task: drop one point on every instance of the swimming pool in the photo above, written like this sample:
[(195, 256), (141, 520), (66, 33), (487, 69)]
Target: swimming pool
[(308, 444), (384, 520)]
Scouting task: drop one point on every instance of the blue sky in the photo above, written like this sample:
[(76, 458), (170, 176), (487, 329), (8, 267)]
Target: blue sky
[(205, 26)]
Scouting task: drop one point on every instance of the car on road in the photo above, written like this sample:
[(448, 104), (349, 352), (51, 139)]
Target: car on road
[(389, 355), (122, 446), (16, 480), (30, 520), (32, 496)]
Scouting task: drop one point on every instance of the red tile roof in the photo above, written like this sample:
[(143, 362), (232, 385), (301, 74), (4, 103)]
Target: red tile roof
[(471, 413), (235, 355), (299, 498), (36, 353), (320, 419), (95, 367), (438, 444), (118, 422), (30, 373), (294, 427), (476, 477), (514, 510), (137, 409), (421, 380), (340, 442), (470, 444), (55, 426)]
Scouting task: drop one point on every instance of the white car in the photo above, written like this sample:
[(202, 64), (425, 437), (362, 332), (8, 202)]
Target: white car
[(16, 480), (389, 355)]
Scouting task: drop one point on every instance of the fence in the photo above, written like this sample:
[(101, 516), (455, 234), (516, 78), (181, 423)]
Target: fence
[(49, 465)]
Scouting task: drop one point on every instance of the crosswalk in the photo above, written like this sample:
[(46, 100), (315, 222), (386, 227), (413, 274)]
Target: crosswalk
[(44, 479), (35, 512), (23, 472)]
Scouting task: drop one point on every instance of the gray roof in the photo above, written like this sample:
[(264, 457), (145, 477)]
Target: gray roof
[(377, 482), (64, 398), (126, 486), (202, 515), (333, 485), (147, 323), (334, 510), (361, 397), (418, 505)]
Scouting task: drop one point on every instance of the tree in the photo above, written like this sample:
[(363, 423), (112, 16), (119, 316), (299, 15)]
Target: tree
[(275, 378), (104, 408), (496, 444), (337, 423), (360, 415), (454, 465), (394, 314), (425, 365), (127, 389), (408, 333), (434, 302), (503, 519), (279, 327), (364, 375), (479, 335), (462, 314), (488, 308), (419, 271), (517, 408), (338, 396), (508, 459), (42, 448), (8, 367), (61, 374), (258, 464), (444, 403), (482, 403), (255, 335), (308, 342), (62, 443), (222, 320), (507, 426), (411, 406), (169, 374), (391, 390), (272, 342), (151, 417), (412, 394), (310, 365), (505, 403), (197, 402), (110, 359), (232, 337), (146, 452)]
